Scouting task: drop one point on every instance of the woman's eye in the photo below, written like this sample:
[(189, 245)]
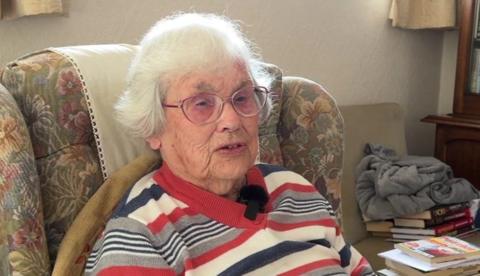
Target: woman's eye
[(203, 102), (241, 99), (243, 96)]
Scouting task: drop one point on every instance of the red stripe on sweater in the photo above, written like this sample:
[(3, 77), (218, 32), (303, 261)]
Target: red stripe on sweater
[(217, 251), (327, 222), (291, 187), (360, 266), (135, 271), (311, 266), (160, 222), (157, 225)]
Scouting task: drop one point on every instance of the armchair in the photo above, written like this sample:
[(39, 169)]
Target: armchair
[(54, 156)]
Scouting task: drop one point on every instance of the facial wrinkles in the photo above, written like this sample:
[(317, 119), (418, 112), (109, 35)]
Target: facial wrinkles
[(205, 87), (203, 149), (202, 168)]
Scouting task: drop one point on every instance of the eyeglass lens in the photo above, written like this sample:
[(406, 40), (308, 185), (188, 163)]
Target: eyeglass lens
[(205, 107)]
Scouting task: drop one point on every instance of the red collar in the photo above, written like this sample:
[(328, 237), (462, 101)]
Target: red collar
[(209, 204)]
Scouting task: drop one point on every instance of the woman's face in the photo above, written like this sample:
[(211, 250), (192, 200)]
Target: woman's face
[(215, 156)]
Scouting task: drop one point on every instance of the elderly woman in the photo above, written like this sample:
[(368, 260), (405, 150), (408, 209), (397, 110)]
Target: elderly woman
[(197, 94)]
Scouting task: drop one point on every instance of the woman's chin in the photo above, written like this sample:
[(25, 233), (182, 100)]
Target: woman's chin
[(234, 168)]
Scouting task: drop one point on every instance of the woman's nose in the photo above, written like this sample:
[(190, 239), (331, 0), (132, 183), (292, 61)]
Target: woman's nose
[(229, 118)]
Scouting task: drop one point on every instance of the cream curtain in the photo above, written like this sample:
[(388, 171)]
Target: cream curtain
[(10, 9), (423, 14)]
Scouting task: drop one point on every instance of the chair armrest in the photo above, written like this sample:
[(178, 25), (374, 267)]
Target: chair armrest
[(90, 222), (23, 245)]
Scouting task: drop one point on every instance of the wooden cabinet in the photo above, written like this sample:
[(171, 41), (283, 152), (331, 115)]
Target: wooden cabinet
[(457, 140), (457, 143)]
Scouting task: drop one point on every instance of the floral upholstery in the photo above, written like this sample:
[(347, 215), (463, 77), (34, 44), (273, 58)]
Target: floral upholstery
[(304, 133), (48, 93), (311, 137), (23, 247), (269, 139)]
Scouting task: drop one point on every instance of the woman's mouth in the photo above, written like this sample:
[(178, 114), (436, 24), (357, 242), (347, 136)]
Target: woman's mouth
[(235, 148)]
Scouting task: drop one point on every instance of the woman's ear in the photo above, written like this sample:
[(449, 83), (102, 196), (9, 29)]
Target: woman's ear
[(154, 142)]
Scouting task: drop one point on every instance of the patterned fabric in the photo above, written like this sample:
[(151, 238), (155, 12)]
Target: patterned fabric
[(304, 133), (49, 94), (268, 135), (311, 137), (168, 226), (23, 247)]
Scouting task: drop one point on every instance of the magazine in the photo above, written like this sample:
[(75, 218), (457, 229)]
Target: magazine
[(439, 249), (398, 256)]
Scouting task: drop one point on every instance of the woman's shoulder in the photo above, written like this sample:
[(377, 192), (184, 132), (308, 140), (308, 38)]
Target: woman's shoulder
[(276, 176), (266, 168), (276, 171), (144, 190)]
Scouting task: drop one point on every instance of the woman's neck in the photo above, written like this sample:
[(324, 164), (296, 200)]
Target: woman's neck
[(235, 190)]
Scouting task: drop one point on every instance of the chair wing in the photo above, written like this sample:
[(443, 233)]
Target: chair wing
[(311, 136)]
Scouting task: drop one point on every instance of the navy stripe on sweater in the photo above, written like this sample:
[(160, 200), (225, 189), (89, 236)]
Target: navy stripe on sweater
[(122, 241), (267, 169), (345, 255), (265, 257), (152, 192)]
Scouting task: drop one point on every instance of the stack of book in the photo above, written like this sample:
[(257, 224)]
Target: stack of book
[(452, 220), (379, 228), (434, 256)]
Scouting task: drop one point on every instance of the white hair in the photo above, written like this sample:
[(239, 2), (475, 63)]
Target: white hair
[(174, 47)]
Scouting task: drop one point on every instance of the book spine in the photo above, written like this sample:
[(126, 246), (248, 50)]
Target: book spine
[(468, 231), (378, 226), (410, 237), (439, 210), (447, 217), (452, 225), (449, 209)]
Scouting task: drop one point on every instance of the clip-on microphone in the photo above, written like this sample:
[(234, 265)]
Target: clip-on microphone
[(255, 197)]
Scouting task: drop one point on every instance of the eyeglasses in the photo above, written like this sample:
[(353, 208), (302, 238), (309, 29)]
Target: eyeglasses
[(206, 108)]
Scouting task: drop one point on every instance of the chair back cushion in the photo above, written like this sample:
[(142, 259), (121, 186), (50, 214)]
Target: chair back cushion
[(103, 70)]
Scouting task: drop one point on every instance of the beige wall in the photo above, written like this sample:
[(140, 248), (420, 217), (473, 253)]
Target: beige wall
[(348, 46)]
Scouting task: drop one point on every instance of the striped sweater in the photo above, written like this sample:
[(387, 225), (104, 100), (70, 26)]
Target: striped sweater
[(167, 226)]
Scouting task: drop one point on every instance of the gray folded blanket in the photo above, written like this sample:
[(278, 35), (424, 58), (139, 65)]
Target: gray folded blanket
[(390, 186)]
